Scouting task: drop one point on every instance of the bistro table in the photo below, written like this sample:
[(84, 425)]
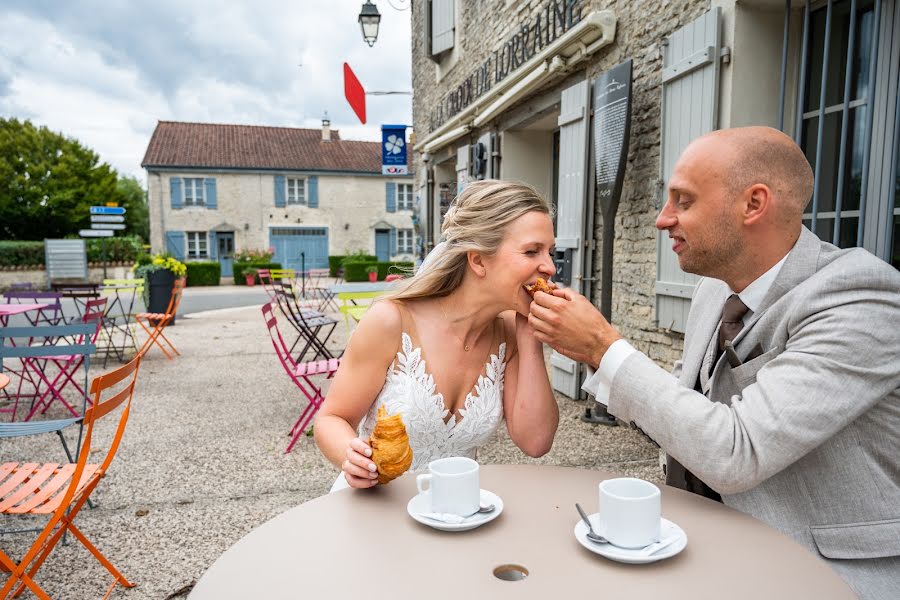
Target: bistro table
[(8, 310), (349, 292), (363, 544)]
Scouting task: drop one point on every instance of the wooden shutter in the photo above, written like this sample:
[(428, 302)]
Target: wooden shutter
[(574, 137), (280, 192), (175, 244), (312, 191), (210, 184), (175, 192), (443, 17), (393, 239), (690, 95), (390, 196), (211, 244)]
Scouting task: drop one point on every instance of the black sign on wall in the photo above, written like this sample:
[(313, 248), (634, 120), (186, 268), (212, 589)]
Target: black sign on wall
[(612, 129)]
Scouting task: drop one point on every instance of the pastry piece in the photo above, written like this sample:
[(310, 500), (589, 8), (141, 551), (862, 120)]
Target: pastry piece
[(538, 286), (390, 446)]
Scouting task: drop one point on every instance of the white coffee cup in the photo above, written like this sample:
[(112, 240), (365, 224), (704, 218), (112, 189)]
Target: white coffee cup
[(629, 512), (453, 485)]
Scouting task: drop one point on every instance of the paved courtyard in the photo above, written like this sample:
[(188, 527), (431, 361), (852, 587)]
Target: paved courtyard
[(202, 461)]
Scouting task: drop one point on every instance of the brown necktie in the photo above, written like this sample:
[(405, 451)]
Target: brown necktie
[(732, 322)]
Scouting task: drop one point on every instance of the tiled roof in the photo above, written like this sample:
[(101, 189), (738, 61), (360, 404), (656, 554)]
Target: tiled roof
[(211, 145)]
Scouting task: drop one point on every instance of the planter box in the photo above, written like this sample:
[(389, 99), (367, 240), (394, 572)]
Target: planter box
[(161, 284)]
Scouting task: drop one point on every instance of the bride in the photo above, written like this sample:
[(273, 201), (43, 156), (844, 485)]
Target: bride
[(446, 349)]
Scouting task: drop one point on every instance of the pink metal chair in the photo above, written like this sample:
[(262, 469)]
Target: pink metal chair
[(300, 374), (67, 364)]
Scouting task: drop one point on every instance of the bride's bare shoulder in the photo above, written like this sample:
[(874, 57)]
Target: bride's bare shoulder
[(382, 319)]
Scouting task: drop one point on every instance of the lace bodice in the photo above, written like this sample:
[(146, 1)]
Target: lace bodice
[(409, 389)]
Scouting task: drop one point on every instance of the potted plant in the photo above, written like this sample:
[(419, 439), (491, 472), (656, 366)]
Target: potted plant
[(250, 276), (159, 278), (373, 273)]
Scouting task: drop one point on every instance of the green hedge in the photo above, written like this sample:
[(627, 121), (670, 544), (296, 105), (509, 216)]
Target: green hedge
[(203, 273), (334, 264), (357, 271), (118, 249), (240, 267)]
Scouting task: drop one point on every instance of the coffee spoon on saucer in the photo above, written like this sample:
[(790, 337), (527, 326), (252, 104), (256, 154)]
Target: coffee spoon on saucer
[(598, 539)]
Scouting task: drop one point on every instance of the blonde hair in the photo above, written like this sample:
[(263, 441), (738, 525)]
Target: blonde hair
[(476, 222)]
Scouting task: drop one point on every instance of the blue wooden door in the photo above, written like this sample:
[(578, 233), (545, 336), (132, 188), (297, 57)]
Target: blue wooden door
[(300, 247), (383, 244), (225, 251)]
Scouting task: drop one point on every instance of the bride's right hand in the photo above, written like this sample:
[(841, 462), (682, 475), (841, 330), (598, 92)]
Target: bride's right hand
[(358, 468)]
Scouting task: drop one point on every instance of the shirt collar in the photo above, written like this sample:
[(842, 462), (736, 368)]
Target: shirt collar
[(752, 295)]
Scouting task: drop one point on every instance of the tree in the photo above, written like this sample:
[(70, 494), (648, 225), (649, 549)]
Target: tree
[(48, 182), (134, 201)]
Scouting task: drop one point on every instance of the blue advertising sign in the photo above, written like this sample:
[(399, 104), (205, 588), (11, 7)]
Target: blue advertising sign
[(107, 210), (393, 150)]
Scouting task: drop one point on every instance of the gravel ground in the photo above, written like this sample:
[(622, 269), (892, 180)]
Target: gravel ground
[(202, 461)]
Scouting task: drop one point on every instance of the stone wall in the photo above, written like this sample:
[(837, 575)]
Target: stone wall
[(641, 27), (38, 277)]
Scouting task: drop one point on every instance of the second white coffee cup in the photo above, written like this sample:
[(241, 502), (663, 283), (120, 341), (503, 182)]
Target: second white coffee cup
[(629, 512), (453, 485)]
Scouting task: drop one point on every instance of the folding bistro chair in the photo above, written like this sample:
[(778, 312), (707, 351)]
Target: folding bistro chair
[(300, 374), (62, 490), (118, 321), (313, 328), (159, 321)]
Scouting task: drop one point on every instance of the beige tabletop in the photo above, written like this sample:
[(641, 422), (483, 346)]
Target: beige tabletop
[(362, 544)]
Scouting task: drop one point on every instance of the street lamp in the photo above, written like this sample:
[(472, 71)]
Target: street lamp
[(369, 18)]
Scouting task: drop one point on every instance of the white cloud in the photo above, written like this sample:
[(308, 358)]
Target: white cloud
[(105, 72)]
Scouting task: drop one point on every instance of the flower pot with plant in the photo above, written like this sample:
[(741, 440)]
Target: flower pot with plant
[(250, 276), (159, 278), (373, 273)]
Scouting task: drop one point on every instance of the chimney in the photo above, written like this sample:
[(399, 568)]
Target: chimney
[(326, 128)]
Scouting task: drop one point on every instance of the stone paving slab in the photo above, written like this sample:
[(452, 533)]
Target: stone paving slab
[(202, 461)]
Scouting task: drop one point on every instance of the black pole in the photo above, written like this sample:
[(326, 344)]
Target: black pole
[(303, 274), (103, 255)]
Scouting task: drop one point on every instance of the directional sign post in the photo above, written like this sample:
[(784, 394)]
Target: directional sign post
[(105, 221), (107, 210), (101, 233), (108, 226)]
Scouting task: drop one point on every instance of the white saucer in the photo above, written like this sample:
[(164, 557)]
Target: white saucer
[(421, 504), (666, 529)]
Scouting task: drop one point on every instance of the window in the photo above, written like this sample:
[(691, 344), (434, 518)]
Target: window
[(404, 196), (197, 245), (193, 192), (296, 191), (405, 240), (852, 204)]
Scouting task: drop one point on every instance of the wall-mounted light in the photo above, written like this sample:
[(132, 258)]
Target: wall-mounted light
[(369, 18)]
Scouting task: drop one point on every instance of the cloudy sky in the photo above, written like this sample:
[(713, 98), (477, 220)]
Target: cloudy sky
[(105, 71)]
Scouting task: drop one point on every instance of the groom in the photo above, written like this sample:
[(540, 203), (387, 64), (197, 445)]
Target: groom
[(787, 399)]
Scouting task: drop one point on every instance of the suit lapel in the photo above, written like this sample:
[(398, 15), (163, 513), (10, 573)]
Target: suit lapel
[(697, 342)]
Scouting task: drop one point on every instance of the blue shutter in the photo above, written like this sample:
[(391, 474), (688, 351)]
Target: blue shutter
[(280, 200), (211, 244), (390, 194), (175, 189), (312, 191), (210, 184), (175, 244), (393, 241)]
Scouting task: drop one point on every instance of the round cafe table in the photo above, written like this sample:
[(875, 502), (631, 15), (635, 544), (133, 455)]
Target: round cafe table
[(363, 544)]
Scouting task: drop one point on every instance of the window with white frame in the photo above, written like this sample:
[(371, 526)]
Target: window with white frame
[(404, 241), (197, 245), (193, 192), (296, 191), (404, 196)]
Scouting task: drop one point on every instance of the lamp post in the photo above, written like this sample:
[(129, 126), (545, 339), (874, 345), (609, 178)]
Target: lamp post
[(369, 18)]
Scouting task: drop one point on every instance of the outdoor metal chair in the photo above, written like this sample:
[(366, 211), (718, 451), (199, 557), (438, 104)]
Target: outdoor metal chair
[(62, 490), (51, 315), (313, 328), (300, 374), (118, 323), (159, 321)]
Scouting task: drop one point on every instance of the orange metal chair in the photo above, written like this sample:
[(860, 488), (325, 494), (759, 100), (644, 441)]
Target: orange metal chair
[(62, 490), (159, 321)]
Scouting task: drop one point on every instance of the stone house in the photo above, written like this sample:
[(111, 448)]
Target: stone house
[(510, 90), (216, 189)]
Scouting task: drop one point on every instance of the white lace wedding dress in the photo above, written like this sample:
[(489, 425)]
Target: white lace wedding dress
[(409, 390)]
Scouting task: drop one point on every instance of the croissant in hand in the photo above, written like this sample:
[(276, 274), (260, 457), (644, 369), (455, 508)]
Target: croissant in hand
[(390, 446)]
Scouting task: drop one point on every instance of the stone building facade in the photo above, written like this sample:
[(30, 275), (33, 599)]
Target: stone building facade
[(217, 189), (697, 65)]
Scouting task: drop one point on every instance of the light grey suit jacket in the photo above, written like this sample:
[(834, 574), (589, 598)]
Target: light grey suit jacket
[(806, 436)]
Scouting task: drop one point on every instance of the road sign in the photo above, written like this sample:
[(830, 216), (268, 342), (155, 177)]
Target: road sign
[(95, 233), (354, 93), (108, 226), (107, 210), (393, 150), (107, 219)]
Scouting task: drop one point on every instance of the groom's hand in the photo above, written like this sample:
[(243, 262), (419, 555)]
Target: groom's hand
[(572, 326)]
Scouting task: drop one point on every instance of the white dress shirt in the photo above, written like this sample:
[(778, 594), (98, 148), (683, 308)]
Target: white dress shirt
[(597, 382)]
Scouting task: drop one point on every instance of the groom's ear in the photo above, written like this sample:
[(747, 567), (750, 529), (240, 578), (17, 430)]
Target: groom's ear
[(476, 263)]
